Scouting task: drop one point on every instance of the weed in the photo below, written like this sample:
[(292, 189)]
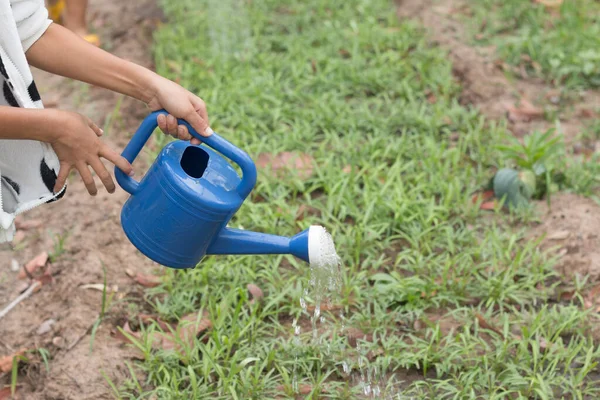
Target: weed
[(106, 302), (59, 240), (542, 153)]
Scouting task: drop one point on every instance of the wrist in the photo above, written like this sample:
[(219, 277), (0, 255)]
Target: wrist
[(148, 84), (55, 123)]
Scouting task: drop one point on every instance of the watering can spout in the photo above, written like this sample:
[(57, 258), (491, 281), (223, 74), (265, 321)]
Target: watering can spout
[(237, 241)]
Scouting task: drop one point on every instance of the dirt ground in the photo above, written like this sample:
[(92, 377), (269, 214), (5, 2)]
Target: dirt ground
[(569, 226), (94, 237)]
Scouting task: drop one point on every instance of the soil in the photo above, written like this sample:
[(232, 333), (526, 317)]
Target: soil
[(93, 238), (569, 225)]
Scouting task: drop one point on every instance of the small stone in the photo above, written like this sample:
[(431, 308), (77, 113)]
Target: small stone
[(46, 326), (14, 265), (58, 341)]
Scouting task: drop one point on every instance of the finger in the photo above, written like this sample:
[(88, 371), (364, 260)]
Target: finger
[(188, 135), (199, 124), (172, 125), (119, 161), (99, 132), (200, 107), (104, 175), (182, 133), (161, 120), (87, 178), (61, 179)]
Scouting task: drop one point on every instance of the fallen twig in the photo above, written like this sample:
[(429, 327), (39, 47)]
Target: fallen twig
[(19, 299)]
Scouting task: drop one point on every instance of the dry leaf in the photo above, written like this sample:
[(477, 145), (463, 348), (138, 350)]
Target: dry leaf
[(525, 111), (148, 281), (325, 307), (117, 334), (29, 224), (45, 279), (304, 210), (100, 287), (587, 113), (347, 169), (484, 197), (256, 294), (373, 354), (488, 205), (187, 331), (36, 263), (5, 393), (303, 389), (566, 295), (355, 334), (592, 297), (6, 362), (300, 212), (279, 163), (344, 53), (543, 344), (484, 324), (146, 319)]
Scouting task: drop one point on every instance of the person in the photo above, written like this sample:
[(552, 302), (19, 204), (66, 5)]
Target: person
[(72, 13), (39, 147)]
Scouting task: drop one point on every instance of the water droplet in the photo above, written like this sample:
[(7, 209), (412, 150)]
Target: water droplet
[(346, 367), (376, 391)]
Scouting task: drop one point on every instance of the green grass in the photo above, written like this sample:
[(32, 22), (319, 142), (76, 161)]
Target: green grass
[(562, 47), (345, 82)]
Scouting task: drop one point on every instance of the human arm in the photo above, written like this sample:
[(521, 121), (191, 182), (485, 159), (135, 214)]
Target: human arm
[(74, 138), (62, 52)]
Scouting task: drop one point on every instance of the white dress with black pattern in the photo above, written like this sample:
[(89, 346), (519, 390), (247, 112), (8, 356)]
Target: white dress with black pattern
[(28, 168)]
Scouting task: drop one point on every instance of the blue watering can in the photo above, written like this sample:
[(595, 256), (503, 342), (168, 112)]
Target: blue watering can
[(179, 211)]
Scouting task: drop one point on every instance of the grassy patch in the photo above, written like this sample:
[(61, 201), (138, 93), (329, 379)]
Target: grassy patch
[(560, 44), (358, 91)]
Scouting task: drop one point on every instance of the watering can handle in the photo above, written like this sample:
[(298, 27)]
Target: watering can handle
[(215, 141)]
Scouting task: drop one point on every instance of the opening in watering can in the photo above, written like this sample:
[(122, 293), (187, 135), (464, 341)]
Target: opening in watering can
[(194, 161)]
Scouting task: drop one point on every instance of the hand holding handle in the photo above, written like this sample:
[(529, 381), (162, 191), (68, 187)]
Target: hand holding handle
[(214, 141)]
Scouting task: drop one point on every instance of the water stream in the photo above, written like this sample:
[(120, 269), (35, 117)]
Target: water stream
[(321, 294)]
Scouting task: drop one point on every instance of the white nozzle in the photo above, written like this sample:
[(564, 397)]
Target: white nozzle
[(321, 249)]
